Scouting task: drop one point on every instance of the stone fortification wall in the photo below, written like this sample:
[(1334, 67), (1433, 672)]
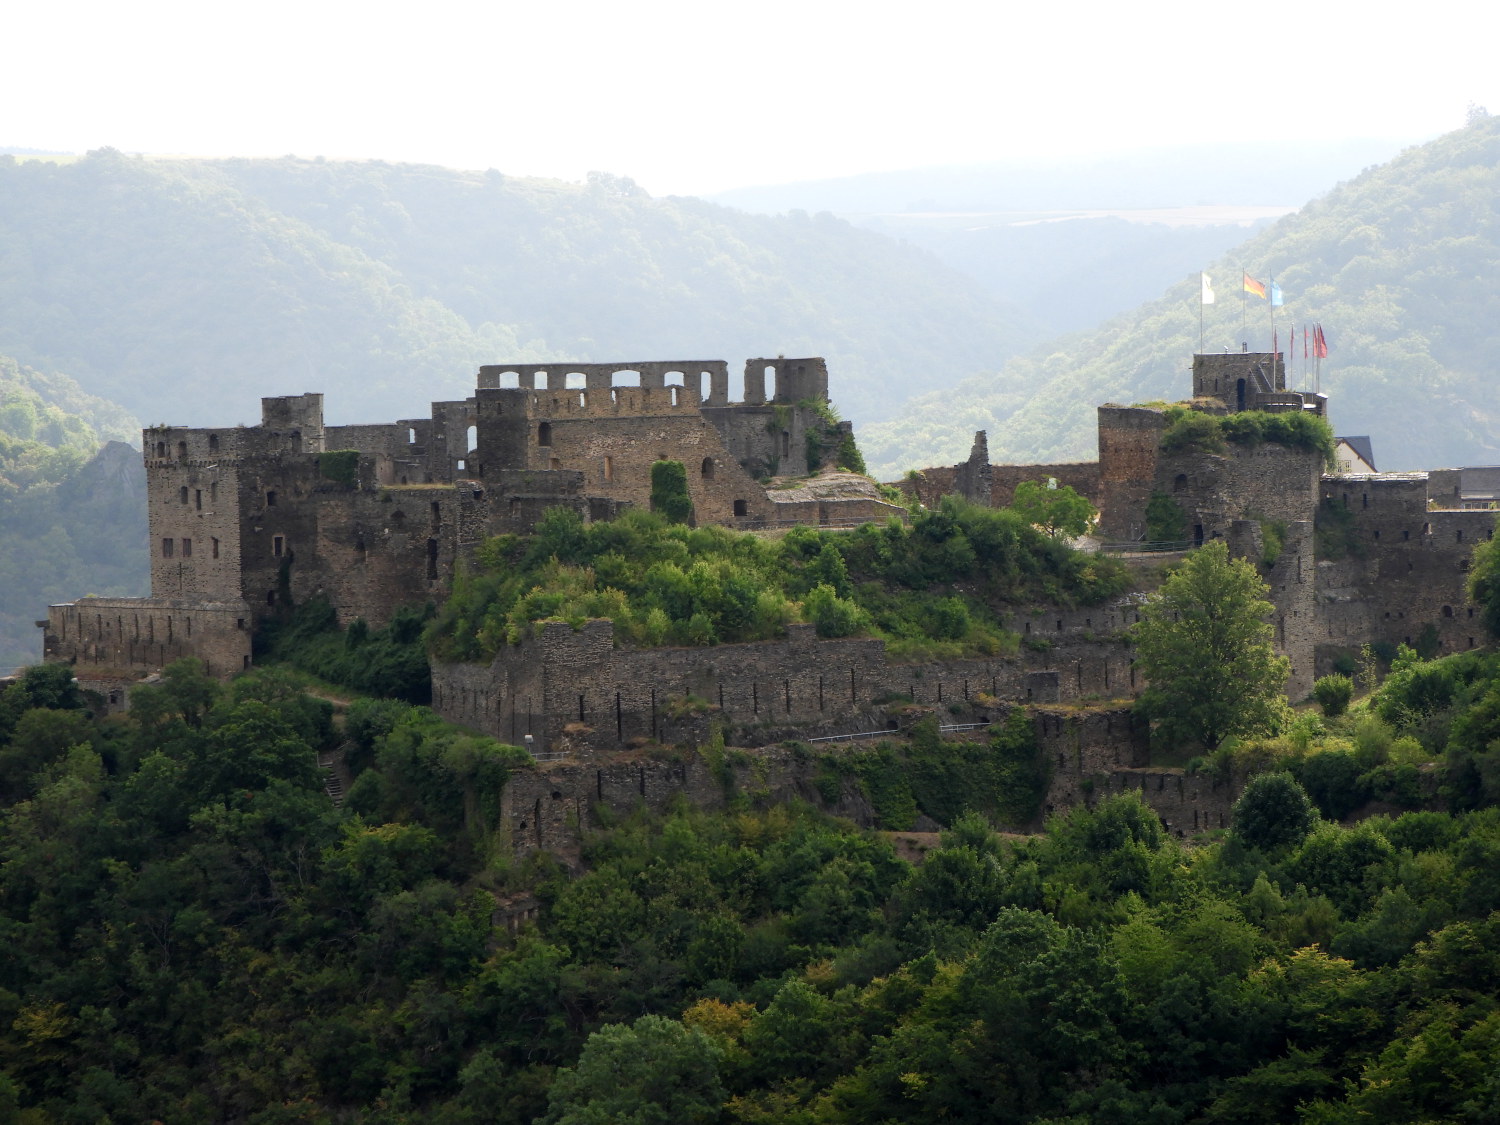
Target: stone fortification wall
[(707, 378), (606, 698), (612, 437), (1266, 482), (194, 514), (1406, 570), (1091, 753), (127, 638), (995, 485), (1129, 448)]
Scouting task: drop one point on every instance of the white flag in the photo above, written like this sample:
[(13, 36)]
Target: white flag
[(1208, 292)]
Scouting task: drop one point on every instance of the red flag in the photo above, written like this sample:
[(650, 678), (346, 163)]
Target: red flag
[(1320, 343)]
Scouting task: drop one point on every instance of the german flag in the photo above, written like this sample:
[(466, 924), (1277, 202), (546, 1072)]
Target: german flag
[(1256, 287)]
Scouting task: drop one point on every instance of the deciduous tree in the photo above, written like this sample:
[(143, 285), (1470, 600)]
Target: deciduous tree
[(1205, 647)]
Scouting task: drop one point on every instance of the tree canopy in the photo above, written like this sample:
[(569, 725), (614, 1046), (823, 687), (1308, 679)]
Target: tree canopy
[(1204, 645)]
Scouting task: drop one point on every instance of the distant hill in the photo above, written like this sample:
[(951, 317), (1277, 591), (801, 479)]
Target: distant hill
[(1399, 265), (187, 289), (72, 509), (1068, 273), (1185, 175)]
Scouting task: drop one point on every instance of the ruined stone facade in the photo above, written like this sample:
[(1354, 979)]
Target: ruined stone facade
[(1401, 581), (245, 519)]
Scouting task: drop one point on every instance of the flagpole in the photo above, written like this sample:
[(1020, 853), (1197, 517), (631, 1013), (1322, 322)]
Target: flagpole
[(1244, 309), (1271, 308)]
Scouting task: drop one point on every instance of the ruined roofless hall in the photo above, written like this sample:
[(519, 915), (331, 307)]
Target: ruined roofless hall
[(373, 517)]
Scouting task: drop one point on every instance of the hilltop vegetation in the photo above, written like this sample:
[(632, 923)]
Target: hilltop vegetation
[(930, 589), (72, 511), (1397, 264), (187, 289)]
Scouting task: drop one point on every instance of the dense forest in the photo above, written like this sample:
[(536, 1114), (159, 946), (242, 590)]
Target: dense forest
[(187, 289), (72, 503), (1398, 265), (196, 932)]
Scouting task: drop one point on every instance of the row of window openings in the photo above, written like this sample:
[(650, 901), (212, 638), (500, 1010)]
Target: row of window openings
[(213, 495), (182, 448), (169, 547), (1427, 530)]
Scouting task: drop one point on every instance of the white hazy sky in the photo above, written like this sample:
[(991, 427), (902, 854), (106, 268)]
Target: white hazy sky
[(694, 97)]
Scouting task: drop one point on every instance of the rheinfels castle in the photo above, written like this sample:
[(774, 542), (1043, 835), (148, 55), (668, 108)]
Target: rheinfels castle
[(373, 517)]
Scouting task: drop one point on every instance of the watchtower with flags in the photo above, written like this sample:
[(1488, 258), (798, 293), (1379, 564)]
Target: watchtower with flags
[(1250, 381)]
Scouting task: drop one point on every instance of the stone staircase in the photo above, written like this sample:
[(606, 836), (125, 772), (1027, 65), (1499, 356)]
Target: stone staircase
[(331, 763)]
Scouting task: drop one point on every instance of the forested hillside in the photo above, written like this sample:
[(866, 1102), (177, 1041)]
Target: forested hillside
[(194, 932), (72, 503), (1399, 265), (187, 289)]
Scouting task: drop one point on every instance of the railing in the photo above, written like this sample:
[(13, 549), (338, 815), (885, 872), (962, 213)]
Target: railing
[(1160, 547)]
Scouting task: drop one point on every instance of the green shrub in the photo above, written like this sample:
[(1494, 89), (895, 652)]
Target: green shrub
[(669, 491), (340, 466), (1333, 694), (1165, 520)]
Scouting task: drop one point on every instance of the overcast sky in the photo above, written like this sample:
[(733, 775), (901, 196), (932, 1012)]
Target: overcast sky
[(696, 97)]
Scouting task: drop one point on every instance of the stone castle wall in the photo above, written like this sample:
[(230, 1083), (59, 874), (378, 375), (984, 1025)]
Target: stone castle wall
[(1407, 569), (578, 684), (129, 638), (1091, 753)]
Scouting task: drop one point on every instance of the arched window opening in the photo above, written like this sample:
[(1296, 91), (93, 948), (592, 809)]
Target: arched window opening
[(182, 451), (1447, 611), (708, 468), (213, 443), (411, 435), (161, 450), (471, 439), (1180, 484)]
